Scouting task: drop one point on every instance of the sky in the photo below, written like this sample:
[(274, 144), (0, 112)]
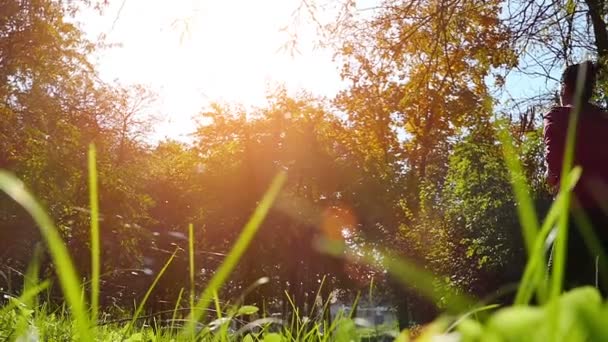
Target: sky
[(194, 52)]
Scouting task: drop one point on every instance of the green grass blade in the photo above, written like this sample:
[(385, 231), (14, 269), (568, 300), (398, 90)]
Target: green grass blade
[(95, 249), (65, 269), (218, 308), (191, 260), (295, 317), (561, 242), (30, 279), (26, 296), (407, 272), (469, 314), (535, 273), (141, 305), (177, 304), (351, 314), (236, 252), (30, 305), (314, 304), (525, 207), (371, 291), (562, 232)]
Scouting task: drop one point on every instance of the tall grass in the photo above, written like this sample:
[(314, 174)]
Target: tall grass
[(64, 267), (191, 262), (95, 250), (72, 289), (559, 213), (406, 271), (143, 302), (556, 311), (562, 228)]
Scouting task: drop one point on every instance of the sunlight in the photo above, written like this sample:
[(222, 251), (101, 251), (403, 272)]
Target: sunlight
[(196, 52)]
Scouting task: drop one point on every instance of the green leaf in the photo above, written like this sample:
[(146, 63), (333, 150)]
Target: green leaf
[(516, 323), (247, 310), (570, 7), (470, 330), (273, 337)]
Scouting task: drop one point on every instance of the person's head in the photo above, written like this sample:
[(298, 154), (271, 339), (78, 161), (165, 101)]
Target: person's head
[(570, 79)]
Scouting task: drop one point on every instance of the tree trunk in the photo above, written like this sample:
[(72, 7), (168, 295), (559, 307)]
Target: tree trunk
[(596, 13)]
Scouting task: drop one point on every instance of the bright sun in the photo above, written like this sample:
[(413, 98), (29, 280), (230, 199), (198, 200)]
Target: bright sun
[(194, 52)]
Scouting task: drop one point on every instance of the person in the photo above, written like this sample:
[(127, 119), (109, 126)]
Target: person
[(591, 154)]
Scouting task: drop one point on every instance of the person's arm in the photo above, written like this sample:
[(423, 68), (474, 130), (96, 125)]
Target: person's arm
[(554, 145)]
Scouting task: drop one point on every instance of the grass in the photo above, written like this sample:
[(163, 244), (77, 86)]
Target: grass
[(65, 269), (578, 315), (95, 250)]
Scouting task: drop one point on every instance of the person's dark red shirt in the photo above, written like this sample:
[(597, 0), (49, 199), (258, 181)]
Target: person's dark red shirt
[(590, 151)]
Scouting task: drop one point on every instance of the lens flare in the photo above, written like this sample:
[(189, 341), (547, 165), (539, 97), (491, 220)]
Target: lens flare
[(335, 221)]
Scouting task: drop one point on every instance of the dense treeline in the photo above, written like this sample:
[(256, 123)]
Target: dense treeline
[(405, 158)]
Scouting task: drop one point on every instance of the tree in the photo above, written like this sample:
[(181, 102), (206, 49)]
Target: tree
[(482, 219), (417, 72), (549, 35), (42, 63), (52, 106), (241, 151)]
